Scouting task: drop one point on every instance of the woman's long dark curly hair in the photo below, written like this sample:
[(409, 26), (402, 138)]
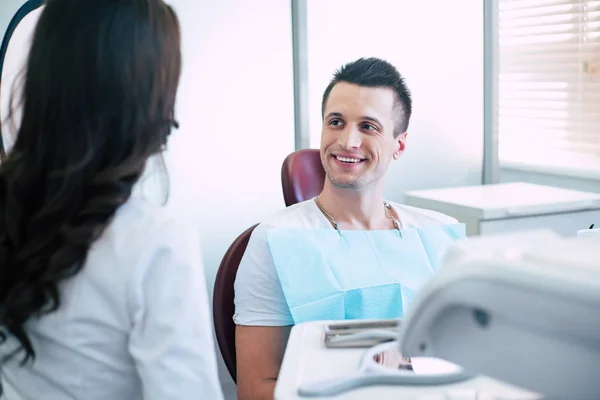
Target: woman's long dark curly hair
[(97, 101)]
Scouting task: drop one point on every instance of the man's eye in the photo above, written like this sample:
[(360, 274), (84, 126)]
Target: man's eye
[(335, 122), (368, 126)]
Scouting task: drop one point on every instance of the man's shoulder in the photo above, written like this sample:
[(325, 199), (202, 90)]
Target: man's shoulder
[(418, 217), (300, 215)]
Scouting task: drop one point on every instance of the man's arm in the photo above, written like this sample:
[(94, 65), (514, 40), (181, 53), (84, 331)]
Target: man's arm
[(263, 320), (260, 352)]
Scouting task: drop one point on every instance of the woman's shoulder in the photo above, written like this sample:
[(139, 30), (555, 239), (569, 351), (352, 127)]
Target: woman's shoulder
[(140, 228), (140, 217)]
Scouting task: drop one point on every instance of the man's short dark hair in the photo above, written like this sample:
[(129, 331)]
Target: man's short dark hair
[(375, 72)]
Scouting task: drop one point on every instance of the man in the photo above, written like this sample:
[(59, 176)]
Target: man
[(366, 110)]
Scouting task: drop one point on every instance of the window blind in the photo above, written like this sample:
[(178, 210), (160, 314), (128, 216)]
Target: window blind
[(547, 110)]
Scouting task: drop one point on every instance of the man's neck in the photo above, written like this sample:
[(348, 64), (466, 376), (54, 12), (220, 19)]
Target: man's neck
[(355, 209)]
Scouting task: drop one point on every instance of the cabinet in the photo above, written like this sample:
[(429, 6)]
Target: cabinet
[(510, 207)]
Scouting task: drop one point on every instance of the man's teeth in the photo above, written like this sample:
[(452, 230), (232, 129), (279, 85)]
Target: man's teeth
[(348, 160)]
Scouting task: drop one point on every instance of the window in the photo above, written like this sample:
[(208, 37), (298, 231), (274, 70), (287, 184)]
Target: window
[(547, 103)]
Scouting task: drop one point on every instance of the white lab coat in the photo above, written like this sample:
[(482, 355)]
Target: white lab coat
[(133, 324)]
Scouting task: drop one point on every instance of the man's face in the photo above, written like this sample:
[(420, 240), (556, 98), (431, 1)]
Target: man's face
[(357, 141)]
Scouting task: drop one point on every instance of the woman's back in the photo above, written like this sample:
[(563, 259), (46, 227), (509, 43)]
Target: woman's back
[(102, 296), (134, 304)]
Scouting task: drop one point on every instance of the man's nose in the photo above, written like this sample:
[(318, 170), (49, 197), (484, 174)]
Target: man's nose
[(350, 138)]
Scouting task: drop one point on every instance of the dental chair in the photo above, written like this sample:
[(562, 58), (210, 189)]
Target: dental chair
[(223, 300), (302, 176)]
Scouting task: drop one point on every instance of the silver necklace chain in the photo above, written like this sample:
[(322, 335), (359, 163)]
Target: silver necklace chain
[(336, 225)]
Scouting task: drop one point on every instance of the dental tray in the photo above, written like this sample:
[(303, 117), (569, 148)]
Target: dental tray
[(360, 334)]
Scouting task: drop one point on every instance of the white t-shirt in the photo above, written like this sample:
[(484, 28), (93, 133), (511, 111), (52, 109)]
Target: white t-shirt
[(259, 298), (133, 324)]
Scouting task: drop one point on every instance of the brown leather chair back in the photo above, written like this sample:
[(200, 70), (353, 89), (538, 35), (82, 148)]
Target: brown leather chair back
[(223, 305), (302, 176)]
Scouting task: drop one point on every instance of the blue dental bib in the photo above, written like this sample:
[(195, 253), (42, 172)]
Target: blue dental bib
[(326, 275)]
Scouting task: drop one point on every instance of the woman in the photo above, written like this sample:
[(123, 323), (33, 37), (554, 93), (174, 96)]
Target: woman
[(102, 295)]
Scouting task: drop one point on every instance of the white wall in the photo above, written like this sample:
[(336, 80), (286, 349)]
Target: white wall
[(235, 107), (438, 46)]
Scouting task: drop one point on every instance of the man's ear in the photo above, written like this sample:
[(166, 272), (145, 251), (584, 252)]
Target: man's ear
[(400, 145)]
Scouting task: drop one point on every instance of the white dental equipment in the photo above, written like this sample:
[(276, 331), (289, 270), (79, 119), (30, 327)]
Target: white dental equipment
[(524, 309), (425, 371)]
